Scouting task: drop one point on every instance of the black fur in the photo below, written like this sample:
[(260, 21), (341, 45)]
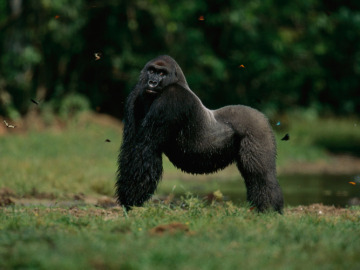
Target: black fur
[(162, 115)]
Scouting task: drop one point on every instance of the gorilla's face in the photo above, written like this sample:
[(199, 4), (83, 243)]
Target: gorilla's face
[(158, 77), (160, 73)]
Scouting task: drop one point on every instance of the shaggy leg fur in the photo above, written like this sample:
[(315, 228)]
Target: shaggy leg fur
[(263, 189)]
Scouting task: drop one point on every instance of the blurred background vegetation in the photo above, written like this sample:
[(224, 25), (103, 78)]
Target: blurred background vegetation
[(276, 56), (296, 61)]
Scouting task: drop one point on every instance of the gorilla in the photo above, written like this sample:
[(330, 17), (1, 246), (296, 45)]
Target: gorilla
[(163, 115)]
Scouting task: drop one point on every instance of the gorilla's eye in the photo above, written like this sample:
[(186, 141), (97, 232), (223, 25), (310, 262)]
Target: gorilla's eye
[(151, 71), (162, 73)]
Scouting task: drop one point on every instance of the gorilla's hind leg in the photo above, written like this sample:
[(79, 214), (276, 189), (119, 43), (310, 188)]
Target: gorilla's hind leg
[(259, 171)]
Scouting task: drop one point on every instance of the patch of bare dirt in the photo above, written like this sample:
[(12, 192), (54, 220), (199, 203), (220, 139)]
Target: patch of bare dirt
[(4, 191), (73, 204), (318, 209), (75, 211), (110, 213), (6, 197), (170, 228), (6, 201), (106, 202)]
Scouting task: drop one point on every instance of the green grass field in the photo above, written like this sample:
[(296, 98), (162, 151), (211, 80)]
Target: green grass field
[(57, 212), (194, 236)]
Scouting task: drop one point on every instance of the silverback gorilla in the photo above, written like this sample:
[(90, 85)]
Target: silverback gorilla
[(162, 115)]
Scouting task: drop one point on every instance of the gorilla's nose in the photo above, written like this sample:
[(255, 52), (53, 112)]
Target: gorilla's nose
[(152, 84)]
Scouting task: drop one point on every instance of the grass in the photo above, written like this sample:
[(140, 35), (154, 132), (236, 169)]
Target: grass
[(217, 236), (74, 161), (43, 170)]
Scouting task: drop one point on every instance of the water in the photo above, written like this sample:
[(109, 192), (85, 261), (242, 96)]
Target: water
[(297, 189)]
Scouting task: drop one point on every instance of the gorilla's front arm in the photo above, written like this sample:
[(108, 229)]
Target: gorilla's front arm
[(140, 169), (145, 136)]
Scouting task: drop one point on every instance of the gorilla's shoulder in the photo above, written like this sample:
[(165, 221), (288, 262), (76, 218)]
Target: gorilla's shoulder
[(179, 95)]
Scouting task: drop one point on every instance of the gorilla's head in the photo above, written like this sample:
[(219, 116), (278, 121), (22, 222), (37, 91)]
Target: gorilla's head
[(160, 73)]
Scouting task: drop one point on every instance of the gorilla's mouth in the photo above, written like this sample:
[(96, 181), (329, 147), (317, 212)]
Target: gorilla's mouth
[(151, 91)]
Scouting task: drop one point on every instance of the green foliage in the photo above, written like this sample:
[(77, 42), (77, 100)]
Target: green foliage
[(302, 53), (192, 204), (39, 42), (72, 105)]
